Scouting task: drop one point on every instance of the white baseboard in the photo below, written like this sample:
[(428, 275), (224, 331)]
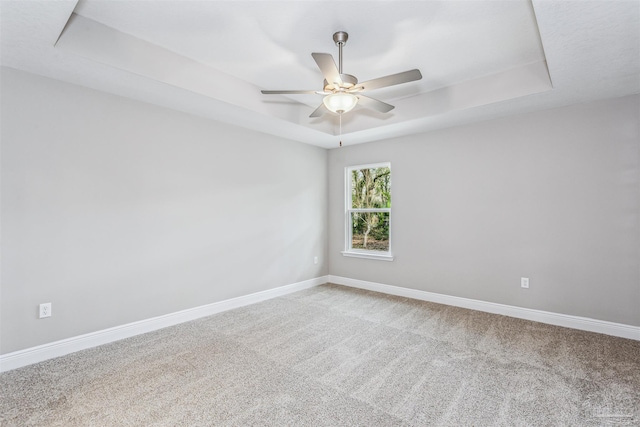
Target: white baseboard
[(568, 321), (43, 352)]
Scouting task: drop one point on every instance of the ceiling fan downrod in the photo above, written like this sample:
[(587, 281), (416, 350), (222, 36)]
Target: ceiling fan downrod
[(340, 38)]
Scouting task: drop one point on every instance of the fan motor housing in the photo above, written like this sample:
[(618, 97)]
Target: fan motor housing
[(348, 81)]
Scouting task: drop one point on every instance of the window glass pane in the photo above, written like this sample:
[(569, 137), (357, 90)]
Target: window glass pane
[(370, 231), (371, 188)]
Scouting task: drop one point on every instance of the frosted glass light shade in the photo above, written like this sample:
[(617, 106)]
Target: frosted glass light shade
[(340, 102)]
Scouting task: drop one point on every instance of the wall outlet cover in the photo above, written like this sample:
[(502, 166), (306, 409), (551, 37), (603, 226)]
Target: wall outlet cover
[(45, 310)]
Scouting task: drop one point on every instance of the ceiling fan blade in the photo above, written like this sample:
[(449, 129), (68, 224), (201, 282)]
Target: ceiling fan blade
[(287, 92), (319, 111), (374, 104), (328, 67), (393, 79)]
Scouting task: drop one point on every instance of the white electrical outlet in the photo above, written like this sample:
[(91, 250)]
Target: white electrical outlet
[(45, 310), (524, 282), (315, 259)]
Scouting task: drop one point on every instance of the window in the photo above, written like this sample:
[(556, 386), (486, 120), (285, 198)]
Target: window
[(368, 211)]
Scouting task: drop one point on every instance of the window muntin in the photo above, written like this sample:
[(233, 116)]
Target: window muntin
[(368, 213)]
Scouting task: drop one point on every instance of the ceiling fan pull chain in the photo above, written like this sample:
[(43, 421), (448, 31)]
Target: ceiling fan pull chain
[(340, 116)]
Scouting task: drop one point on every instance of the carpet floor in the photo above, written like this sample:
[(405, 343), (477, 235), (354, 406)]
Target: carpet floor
[(336, 356)]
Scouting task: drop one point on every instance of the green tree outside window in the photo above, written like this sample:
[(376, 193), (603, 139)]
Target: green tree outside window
[(370, 208)]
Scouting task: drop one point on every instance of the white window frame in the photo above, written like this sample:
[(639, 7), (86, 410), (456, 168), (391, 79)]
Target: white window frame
[(348, 250)]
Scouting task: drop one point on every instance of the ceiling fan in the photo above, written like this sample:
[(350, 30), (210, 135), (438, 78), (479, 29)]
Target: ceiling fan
[(342, 92)]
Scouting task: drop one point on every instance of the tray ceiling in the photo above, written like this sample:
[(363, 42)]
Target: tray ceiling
[(479, 60)]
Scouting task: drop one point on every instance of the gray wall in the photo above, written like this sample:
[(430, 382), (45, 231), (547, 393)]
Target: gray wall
[(553, 196), (117, 211)]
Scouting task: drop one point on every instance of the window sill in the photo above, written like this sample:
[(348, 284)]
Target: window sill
[(368, 255)]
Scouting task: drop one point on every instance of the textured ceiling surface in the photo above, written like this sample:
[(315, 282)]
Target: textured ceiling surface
[(479, 59)]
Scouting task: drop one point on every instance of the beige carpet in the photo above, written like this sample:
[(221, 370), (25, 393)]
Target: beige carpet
[(334, 356)]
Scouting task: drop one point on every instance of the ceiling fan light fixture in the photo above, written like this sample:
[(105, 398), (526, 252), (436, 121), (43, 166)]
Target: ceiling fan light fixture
[(340, 102), (339, 88)]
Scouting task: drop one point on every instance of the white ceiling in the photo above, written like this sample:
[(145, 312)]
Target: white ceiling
[(479, 59)]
